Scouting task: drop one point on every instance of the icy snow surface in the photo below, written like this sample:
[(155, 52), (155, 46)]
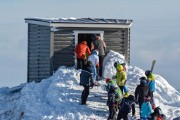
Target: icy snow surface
[(58, 97)]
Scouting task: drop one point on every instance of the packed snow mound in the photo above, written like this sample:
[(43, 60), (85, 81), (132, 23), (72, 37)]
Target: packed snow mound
[(108, 63), (58, 97)]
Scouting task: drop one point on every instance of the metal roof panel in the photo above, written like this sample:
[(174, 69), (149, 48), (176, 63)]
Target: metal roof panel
[(83, 20)]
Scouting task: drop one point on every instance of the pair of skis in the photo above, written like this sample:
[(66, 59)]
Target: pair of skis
[(153, 64)]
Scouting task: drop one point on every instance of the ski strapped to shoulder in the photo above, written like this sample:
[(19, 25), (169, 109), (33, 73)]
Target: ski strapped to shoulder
[(153, 64)]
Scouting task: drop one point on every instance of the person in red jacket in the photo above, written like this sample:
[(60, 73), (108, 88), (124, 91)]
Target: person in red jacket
[(81, 51)]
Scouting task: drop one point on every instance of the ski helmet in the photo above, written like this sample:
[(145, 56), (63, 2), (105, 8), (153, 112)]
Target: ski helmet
[(143, 82), (148, 72), (158, 110), (107, 80), (131, 97), (96, 52), (142, 78), (119, 67)]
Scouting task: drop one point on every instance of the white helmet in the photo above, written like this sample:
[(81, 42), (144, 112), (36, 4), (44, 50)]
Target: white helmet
[(96, 51)]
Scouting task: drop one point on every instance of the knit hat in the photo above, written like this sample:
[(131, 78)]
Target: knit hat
[(107, 80)]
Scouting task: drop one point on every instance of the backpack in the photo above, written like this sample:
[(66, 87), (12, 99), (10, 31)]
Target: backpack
[(146, 109), (118, 94), (85, 77), (111, 99), (112, 88), (125, 106)]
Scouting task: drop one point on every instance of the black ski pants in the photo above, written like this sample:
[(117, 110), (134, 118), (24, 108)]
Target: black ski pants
[(85, 94), (80, 63), (122, 89), (122, 115), (112, 112), (101, 58)]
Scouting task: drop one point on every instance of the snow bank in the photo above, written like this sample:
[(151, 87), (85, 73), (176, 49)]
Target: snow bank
[(108, 63), (58, 97)]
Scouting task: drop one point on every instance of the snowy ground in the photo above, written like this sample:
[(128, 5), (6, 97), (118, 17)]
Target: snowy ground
[(58, 97)]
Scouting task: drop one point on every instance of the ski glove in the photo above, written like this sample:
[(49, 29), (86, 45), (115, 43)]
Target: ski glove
[(91, 85)]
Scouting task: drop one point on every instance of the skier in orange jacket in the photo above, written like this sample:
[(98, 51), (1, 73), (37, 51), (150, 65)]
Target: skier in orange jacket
[(81, 51)]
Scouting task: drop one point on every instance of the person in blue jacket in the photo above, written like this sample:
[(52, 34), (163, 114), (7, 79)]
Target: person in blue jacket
[(151, 84), (86, 80), (146, 108)]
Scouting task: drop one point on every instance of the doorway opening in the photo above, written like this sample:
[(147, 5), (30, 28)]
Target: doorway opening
[(81, 35), (88, 37)]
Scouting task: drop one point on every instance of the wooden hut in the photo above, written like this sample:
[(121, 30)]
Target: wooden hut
[(51, 41)]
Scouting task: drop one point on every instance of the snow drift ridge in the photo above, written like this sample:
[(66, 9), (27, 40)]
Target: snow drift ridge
[(58, 97)]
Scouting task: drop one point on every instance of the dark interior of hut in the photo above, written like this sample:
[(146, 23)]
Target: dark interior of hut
[(88, 37)]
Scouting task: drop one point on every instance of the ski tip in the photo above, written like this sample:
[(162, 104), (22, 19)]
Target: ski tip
[(154, 60)]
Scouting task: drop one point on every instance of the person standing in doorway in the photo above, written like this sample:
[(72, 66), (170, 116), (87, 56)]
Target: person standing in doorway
[(101, 46), (81, 51)]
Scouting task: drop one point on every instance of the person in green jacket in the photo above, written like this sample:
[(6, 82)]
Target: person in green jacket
[(114, 97)]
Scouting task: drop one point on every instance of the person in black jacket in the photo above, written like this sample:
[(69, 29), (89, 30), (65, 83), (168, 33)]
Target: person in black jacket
[(125, 107), (141, 91), (87, 81)]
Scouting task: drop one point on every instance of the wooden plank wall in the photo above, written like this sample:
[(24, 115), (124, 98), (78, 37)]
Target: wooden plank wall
[(115, 40), (127, 52), (64, 43), (119, 41), (40, 38), (38, 52)]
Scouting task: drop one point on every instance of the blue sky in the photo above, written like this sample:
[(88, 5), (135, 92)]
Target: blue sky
[(155, 32)]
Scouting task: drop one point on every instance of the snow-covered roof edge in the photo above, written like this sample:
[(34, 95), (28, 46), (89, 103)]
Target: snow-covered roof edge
[(69, 22)]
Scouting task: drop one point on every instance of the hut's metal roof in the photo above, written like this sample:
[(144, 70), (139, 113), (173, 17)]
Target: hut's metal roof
[(83, 20)]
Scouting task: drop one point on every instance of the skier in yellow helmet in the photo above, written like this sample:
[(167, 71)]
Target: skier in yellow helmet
[(121, 79)]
